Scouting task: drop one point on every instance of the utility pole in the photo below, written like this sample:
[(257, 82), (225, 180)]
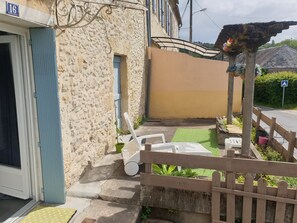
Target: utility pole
[(191, 20)]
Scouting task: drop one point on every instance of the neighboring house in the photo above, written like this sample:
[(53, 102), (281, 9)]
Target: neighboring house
[(275, 59), (62, 88)]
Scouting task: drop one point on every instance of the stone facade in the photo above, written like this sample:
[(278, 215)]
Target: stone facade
[(85, 68), (86, 78)]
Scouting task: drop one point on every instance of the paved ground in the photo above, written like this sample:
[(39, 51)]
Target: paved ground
[(105, 194)]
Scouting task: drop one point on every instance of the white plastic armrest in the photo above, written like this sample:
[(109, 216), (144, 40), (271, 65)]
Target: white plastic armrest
[(165, 146), (161, 135)]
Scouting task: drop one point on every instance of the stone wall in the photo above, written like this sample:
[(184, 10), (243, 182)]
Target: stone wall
[(85, 67)]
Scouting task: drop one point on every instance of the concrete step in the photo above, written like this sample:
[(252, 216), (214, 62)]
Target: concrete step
[(101, 211), (102, 169), (114, 187), (124, 190), (121, 189)]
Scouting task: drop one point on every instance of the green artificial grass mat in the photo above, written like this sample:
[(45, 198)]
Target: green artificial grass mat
[(206, 137)]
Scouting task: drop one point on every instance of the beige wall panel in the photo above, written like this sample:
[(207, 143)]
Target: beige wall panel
[(186, 87)]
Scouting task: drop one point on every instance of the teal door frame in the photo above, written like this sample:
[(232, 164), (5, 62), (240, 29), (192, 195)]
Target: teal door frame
[(48, 111)]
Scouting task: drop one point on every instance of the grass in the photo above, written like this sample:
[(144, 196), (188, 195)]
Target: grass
[(206, 137)]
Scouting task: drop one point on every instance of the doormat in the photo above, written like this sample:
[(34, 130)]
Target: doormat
[(46, 214), (206, 137)]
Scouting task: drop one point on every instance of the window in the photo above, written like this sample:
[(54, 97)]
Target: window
[(162, 13), (160, 10), (154, 6), (168, 22)]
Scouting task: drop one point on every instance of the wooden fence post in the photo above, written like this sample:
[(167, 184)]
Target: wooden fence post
[(247, 201), (230, 198), (230, 155), (280, 208), (148, 166), (258, 118), (291, 146), (215, 197), (261, 203), (272, 128), (295, 209)]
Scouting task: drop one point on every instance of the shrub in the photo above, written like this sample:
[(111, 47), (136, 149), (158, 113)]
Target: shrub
[(268, 89), (268, 153)]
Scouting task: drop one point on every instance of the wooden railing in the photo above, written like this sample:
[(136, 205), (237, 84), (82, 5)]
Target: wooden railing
[(230, 166), (290, 136)]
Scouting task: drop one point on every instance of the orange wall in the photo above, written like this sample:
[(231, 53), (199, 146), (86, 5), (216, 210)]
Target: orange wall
[(186, 87)]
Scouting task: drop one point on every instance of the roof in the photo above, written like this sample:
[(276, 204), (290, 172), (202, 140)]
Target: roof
[(249, 36), (274, 57), (173, 43)]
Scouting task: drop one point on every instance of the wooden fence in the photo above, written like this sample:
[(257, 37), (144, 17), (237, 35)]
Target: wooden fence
[(231, 166), (290, 136)]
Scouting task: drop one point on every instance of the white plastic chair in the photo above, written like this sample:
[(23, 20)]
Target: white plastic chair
[(131, 152)]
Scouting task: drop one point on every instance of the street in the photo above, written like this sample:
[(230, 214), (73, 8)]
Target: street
[(285, 118)]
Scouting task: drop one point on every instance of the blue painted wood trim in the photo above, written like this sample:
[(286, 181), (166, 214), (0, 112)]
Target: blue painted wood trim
[(48, 111)]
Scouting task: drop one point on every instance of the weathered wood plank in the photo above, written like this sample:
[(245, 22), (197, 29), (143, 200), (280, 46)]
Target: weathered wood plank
[(295, 210), (254, 195), (283, 132), (291, 146), (221, 163), (278, 147), (266, 119), (281, 206), (180, 183), (256, 110), (230, 198), (261, 203), (148, 166), (247, 201), (272, 128), (215, 197), (259, 114)]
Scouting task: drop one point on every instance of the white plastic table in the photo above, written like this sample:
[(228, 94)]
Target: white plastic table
[(233, 142)]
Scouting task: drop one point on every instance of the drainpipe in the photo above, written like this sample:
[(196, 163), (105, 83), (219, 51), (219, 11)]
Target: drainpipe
[(149, 42), (148, 22)]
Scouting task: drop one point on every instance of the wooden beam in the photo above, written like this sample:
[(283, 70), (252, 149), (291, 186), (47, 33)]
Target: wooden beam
[(248, 102), (230, 92)]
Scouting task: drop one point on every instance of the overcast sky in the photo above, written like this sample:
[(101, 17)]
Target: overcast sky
[(207, 24)]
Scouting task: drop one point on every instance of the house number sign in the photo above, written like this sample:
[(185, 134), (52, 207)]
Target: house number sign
[(12, 9)]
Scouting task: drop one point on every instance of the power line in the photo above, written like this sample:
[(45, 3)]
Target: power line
[(185, 9), (208, 16)]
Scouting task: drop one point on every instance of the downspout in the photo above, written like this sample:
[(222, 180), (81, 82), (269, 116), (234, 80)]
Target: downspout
[(149, 43), (148, 22)]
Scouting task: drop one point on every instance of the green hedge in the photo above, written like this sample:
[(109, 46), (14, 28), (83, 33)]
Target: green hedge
[(268, 88)]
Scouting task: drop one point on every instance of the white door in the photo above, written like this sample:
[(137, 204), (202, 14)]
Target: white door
[(117, 90), (14, 171)]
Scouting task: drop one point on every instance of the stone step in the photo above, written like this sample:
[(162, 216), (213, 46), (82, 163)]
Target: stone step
[(101, 211), (156, 221), (102, 169), (114, 187), (124, 190)]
